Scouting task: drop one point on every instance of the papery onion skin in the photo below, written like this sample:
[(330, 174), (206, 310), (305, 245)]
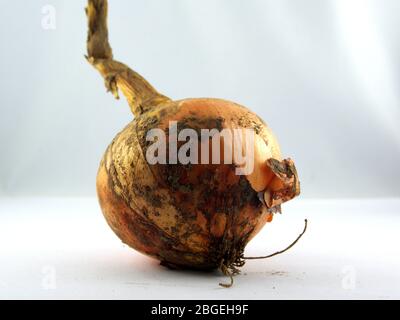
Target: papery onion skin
[(183, 215)]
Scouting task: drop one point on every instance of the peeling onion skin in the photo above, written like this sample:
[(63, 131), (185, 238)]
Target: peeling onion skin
[(187, 216)]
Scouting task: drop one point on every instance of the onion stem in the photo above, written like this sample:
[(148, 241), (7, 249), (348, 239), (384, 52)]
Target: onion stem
[(140, 94)]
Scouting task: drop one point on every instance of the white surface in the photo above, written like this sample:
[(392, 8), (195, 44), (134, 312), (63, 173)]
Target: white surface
[(347, 240)]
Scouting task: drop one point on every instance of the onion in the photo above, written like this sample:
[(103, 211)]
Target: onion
[(193, 215)]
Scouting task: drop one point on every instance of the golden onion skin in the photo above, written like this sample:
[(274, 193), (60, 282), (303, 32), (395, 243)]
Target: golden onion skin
[(183, 215)]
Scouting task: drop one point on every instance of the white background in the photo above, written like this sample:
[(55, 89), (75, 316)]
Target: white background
[(323, 74)]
